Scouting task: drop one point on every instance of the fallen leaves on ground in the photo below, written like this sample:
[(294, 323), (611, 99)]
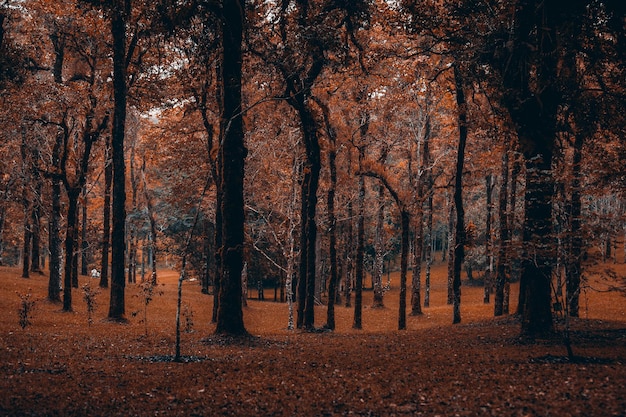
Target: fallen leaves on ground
[(61, 366)]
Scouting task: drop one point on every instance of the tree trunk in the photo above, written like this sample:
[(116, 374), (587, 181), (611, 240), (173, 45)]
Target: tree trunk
[(404, 255), (70, 246), (230, 313), (459, 234), (418, 248), (450, 252), (503, 248), (533, 102), (574, 258), (488, 244), (332, 231), (117, 307), (428, 240), (360, 249)]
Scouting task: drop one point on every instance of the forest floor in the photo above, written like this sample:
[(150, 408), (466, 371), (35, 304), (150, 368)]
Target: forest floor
[(60, 365)]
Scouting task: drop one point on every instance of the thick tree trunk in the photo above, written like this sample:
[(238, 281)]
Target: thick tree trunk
[(230, 313), (533, 99), (117, 306)]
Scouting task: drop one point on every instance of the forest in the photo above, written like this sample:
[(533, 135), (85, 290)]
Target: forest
[(306, 152)]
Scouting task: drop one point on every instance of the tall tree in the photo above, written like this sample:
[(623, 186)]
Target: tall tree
[(230, 314), (120, 11)]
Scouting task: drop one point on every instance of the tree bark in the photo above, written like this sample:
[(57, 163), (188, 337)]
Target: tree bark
[(117, 306), (574, 259), (360, 249), (230, 312), (459, 233), (489, 183), (530, 76), (503, 248)]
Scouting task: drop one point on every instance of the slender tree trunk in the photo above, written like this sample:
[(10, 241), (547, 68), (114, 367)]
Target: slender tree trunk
[(574, 258), (70, 246), (459, 234), (450, 251), (360, 249), (404, 255), (350, 255), (428, 240), (418, 248), (117, 306), (332, 231), (503, 248), (26, 243), (106, 214), (230, 313), (488, 241)]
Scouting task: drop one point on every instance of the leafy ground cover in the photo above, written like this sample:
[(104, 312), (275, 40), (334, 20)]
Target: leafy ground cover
[(60, 364)]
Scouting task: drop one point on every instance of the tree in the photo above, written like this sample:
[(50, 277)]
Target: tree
[(120, 11), (230, 314)]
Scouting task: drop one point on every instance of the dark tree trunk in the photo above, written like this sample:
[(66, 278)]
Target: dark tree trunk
[(360, 249), (26, 243), (349, 257), (70, 246), (530, 76), (418, 249), (489, 183), (459, 233), (574, 258), (117, 306), (218, 246), (404, 257), (106, 214), (230, 312), (503, 248), (332, 231), (450, 251)]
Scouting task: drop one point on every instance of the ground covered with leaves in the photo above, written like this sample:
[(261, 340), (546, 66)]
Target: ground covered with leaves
[(61, 364)]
